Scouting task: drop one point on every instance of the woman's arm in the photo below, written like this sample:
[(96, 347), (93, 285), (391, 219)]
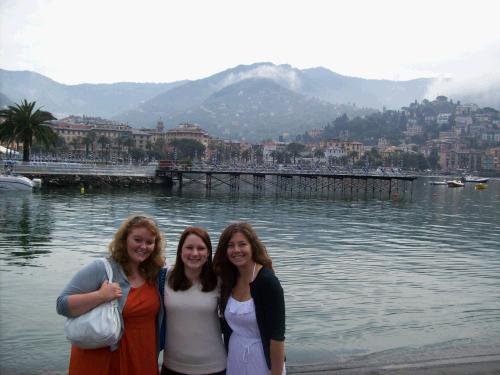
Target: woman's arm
[(275, 314), (79, 304), (82, 290), (277, 354)]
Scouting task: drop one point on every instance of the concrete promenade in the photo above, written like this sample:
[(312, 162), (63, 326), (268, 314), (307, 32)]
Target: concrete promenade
[(475, 365)]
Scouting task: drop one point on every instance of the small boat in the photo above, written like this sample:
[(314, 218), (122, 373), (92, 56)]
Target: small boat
[(18, 183), (438, 183), (480, 186), (455, 183), (470, 178)]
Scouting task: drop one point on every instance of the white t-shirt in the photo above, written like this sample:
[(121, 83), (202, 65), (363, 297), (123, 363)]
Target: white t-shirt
[(193, 340)]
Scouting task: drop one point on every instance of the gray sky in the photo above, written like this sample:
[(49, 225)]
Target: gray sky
[(104, 41)]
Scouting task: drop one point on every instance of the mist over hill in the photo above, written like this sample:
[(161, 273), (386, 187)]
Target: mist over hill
[(252, 101)]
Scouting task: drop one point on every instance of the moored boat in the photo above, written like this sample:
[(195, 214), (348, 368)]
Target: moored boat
[(470, 178), (18, 183), (455, 183)]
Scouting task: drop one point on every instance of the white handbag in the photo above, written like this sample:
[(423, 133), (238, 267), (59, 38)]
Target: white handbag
[(99, 327)]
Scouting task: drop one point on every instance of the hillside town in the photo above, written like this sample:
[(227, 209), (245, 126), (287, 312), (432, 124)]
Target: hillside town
[(432, 135)]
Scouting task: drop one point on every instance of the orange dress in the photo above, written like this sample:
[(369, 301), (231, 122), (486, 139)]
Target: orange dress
[(136, 353)]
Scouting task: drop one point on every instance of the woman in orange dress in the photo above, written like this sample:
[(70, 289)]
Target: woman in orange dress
[(136, 260)]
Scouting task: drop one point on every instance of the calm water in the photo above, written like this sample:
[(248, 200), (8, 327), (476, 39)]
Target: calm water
[(365, 280)]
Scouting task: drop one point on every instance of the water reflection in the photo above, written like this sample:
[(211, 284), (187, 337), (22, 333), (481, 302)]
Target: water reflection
[(364, 280), (27, 228)]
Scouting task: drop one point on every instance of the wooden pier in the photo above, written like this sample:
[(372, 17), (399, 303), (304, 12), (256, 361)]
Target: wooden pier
[(353, 184)]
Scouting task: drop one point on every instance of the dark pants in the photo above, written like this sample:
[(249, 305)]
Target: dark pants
[(166, 371)]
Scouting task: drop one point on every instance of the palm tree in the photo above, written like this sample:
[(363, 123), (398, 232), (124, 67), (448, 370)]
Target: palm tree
[(89, 140), (104, 142), (23, 123), (75, 143)]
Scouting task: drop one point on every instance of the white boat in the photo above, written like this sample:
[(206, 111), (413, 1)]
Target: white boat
[(455, 183), (470, 178), (19, 183)]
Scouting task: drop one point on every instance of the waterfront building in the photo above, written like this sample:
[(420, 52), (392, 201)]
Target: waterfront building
[(454, 156), (334, 153), (188, 131), (83, 134), (269, 149), (492, 159), (350, 148), (223, 150)]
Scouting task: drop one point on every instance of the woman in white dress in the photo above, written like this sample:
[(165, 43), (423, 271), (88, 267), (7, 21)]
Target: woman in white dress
[(193, 338), (252, 303)]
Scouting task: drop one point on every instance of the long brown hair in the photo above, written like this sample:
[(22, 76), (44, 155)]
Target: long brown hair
[(223, 267), (178, 280), (118, 246)]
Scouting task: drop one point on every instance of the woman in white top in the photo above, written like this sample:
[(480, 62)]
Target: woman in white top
[(193, 333), (253, 303)]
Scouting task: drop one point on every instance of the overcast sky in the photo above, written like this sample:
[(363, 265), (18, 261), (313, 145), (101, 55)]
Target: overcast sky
[(104, 41)]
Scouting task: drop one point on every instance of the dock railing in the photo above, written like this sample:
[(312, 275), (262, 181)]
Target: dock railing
[(89, 169)]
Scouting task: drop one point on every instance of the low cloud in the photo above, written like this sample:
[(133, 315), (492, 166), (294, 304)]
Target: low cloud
[(283, 75), (474, 77)]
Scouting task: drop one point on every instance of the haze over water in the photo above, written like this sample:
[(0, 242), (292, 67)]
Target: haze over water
[(366, 281)]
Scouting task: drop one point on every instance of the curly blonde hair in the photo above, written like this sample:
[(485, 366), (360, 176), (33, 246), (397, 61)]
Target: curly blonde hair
[(118, 246)]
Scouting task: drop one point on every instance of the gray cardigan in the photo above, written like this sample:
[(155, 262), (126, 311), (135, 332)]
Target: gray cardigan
[(90, 279)]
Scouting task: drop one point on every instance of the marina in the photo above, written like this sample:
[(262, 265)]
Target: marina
[(351, 183)]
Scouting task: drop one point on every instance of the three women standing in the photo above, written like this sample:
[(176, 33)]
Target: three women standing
[(252, 303), (247, 293), (136, 258)]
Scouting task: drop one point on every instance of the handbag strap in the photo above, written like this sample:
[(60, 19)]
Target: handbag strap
[(109, 270)]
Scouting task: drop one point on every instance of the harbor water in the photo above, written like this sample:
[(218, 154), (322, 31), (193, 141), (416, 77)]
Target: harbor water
[(365, 280)]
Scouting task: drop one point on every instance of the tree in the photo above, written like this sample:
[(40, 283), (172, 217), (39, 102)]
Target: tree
[(353, 155), (137, 154), (75, 143), (187, 148), (104, 142), (295, 149), (89, 140), (23, 124)]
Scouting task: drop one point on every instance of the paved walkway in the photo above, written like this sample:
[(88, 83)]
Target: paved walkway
[(479, 365)]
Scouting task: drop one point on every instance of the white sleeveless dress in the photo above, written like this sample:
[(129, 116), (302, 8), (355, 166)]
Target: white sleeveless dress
[(245, 355)]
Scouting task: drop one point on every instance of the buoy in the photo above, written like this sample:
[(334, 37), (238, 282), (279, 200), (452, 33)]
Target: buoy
[(395, 195), (82, 189)]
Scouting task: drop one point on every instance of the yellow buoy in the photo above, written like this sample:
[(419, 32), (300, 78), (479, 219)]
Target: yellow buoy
[(82, 189)]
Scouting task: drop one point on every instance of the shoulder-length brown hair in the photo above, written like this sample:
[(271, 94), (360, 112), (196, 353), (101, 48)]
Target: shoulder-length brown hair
[(118, 246), (178, 280), (223, 267)]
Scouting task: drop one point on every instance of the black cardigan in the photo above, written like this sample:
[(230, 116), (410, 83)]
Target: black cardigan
[(269, 301)]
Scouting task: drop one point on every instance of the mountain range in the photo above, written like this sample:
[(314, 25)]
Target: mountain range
[(254, 101)]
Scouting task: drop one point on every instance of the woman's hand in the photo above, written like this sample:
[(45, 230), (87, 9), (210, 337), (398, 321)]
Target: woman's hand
[(79, 304), (277, 353), (108, 292)]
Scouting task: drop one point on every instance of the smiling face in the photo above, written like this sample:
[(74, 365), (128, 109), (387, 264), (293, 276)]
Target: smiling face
[(194, 253), (140, 244), (239, 250)]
